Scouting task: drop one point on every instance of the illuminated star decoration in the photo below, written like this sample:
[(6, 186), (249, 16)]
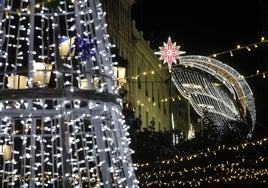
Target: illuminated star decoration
[(169, 53)]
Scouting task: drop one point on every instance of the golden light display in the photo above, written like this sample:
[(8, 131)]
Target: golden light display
[(206, 167)]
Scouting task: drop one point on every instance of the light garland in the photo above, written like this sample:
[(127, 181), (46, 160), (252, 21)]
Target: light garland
[(142, 103), (208, 99), (247, 47), (208, 173), (207, 152), (152, 72)]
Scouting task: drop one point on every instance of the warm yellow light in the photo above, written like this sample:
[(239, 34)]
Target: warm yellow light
[(85, 84), (17, 82), (193, 86), (5, 150), (120, 74), (7, 15), (42, 73), (28, 10), (38, 5), (82, 84), (18, 12), (191, 132)]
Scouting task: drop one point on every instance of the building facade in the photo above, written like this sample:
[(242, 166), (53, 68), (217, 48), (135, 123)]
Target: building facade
[(149, 89)]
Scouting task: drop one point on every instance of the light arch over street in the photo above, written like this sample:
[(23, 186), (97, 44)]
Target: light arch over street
[(214, 87)]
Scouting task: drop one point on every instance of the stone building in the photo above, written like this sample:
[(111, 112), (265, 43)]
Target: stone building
[(149, 90)]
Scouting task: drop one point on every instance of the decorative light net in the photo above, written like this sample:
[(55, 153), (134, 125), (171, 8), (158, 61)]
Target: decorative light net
[(61, 123), (215, 90)]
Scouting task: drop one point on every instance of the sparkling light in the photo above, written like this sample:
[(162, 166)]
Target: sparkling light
[(217, 96), (55, 130)]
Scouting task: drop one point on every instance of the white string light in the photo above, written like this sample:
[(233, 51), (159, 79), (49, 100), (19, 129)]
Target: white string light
[(208, 96), (60, 131)]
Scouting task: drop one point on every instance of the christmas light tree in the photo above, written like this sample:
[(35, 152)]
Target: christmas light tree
[(61, 123)]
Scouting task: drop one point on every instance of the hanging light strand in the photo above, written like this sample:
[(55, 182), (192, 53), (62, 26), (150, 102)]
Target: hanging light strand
[(248, 47)]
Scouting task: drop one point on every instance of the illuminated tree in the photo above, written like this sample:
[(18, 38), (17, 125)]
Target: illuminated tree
[(61, 119)]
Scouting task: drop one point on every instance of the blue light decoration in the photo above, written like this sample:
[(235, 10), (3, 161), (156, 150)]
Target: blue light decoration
[(84, 46)]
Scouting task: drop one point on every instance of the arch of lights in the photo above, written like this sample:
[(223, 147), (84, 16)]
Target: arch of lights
[(214, 89), (61, 123)]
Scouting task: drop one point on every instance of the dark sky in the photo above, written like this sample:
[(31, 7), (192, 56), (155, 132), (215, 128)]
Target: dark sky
[(205, 27), (199, 26)]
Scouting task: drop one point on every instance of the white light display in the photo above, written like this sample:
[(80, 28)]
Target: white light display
[(64, 127), (215, 88)]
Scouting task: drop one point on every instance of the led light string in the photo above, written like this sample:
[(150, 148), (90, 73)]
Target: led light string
[(258, 73), (227, 167), (51, 178), (219, 165), (206, 153), (244, 174), (239, 47), (240, 173), (163, 100), (173, 98), (147, 73)]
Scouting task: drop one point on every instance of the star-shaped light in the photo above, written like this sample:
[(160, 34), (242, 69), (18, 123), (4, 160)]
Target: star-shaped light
[(169, 53)]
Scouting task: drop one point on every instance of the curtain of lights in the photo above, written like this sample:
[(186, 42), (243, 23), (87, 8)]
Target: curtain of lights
[(60, 115), (215, 90)]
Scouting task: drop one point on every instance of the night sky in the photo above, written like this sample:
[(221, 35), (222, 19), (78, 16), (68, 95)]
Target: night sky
[(200, 27), (207, 27)]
